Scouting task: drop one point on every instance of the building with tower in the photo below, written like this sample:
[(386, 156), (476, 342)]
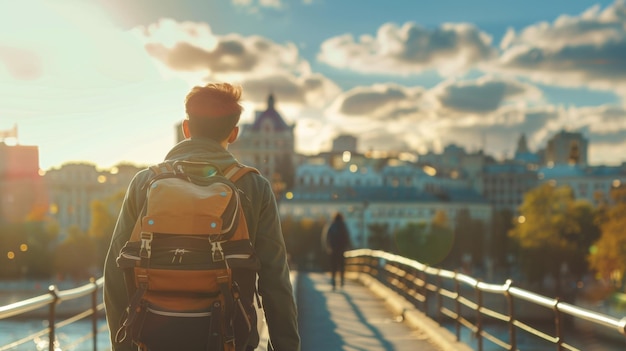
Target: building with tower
[(567, 148), (268, 144)]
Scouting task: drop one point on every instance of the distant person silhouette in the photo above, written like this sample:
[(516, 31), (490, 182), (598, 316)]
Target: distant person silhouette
[(337, 241)]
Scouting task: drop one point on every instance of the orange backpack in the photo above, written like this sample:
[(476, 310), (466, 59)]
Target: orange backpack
[(189, 265)]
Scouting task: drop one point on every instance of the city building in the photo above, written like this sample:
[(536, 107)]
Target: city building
[(73, 186), (268, 145), (395, 195), (504, 184), (22, 193), (589, 183), (565, 148)]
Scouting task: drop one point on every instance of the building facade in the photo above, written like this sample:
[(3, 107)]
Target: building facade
[(268, 145), (22, 192), (72, 187)]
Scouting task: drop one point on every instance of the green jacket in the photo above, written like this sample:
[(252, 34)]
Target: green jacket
[(263, 221)]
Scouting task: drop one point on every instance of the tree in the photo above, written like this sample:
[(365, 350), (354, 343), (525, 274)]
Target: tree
[(103, 218), (501, 246), (553, 230), (380, 239), (411, 239), (440, 240), (428, 244), (75, 256), (468, 240), (608, 255), (303, 239)]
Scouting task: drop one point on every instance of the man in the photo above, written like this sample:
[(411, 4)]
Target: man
[(337, 240), (213, 112)]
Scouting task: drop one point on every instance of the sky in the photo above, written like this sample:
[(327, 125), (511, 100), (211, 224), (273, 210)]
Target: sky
[(104, 81)]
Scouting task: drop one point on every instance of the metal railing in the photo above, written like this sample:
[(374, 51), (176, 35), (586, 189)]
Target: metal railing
[(461, 299), (51, 300)]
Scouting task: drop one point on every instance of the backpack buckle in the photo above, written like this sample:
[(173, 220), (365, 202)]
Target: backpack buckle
[(216, 251), (146, 248)]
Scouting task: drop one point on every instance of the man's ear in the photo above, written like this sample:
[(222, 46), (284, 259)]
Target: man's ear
[(186, 132), (233, 135)]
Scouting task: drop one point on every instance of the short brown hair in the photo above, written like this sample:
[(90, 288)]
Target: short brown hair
[(213, 110)]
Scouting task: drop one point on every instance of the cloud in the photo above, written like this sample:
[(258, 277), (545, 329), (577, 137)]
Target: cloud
[(379, 101), (410, 49), (21, 64), (277, 4), (585, 50), (310, 90), (193, 47), (484, 95), (258, 64)]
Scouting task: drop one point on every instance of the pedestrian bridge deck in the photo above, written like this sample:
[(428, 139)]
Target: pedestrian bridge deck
[(356, 318)]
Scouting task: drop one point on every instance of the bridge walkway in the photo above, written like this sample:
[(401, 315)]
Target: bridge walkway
[(356, 318)]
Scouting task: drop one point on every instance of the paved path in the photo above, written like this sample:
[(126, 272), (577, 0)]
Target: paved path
[(351, 318)]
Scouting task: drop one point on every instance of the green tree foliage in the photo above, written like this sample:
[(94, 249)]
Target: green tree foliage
[(426, 244), (25, 249), (39, 254), (501, 244), (469, 240), (608, 255), (104, 214), (553, 229), (76, 255), (411, 241), (380, 237), (303, 239), (12, 235)]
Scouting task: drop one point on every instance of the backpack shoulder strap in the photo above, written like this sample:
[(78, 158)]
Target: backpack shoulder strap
[(163, 167), (238, 170)]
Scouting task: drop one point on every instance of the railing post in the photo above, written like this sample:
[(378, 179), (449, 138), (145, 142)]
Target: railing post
[(479, 323), (94, 316), (52, 316), (558, 323), (457, 307), (425, 291), (439, 300), (511, 305)]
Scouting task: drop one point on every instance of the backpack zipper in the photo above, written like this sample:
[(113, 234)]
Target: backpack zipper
[(179, 314)]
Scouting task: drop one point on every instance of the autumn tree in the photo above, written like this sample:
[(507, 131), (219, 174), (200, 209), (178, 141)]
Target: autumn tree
[(608, 254), (104, 214), (553, 229)]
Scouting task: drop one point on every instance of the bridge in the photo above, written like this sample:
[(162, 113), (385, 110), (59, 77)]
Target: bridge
[(388, 303)]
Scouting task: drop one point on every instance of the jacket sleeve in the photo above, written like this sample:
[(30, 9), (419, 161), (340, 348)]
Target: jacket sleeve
[(115, 295), (274, 278)]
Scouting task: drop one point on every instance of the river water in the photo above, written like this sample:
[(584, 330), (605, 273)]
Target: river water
[(75, 336), (585, 340)]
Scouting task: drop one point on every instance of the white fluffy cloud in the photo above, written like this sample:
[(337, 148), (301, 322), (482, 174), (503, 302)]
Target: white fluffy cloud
[(260, 65), (586, 50), (409, 49)]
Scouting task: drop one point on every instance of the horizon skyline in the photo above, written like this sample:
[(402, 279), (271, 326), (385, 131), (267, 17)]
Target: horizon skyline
[(381, 154), (104, 81)]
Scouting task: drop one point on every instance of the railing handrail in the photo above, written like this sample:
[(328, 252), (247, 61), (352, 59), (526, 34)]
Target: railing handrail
[(40, 301), (505, 289), (51, 299)]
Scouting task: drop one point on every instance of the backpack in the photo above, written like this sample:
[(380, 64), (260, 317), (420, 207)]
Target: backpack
[(190, 268)]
